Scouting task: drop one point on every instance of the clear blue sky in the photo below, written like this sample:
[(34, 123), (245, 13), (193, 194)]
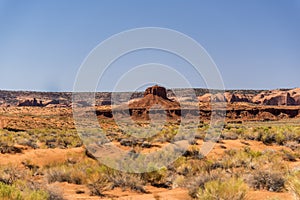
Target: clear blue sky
[(255, 43)]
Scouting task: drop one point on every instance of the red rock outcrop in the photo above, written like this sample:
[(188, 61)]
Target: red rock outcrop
[(271, 97), (154, 95), (156, 91), (276, 98), (33, 102)]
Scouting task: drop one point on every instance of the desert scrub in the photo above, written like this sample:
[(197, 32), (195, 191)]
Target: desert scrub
[(77, 173), (232, 132), (62, 174), (195, 183), (99, 186), (23, 190), (10, 174), (191, 167), (230, 189), (273, 134), (108, 179), (36, 195), (294, 184), (9, 192), (12, 138), (270, 180), (56, 138), (124, 180), (239, 158), (157, 178), (193, 152)]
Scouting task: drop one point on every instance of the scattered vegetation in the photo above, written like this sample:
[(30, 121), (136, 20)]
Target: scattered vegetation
[(229, 176)]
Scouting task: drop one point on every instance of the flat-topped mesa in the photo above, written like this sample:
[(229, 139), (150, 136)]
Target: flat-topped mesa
[(152, 96), (156, 91)]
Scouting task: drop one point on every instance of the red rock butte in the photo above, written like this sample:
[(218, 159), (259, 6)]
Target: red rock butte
[(154, 95), (156, 91)]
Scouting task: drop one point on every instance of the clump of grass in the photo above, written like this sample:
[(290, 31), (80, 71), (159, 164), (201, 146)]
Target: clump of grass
[(99, 186), (21, 190), (242, 158), (231, 189), (197, 183), (294, 184), (64, 173), (36, 195), (124, 180), (9, 192)]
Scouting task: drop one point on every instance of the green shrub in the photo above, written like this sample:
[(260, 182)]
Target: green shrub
[(8, 192), (37, 195)]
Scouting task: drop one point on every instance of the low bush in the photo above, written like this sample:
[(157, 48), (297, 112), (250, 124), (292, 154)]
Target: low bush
[(125, 180), (65, 174), (267, 179), (198, 183), (231, 189), (99, 186)]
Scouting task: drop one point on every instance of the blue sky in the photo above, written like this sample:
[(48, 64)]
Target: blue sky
[(255, 43)]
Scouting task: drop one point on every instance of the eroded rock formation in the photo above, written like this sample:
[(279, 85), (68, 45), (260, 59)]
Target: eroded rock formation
[(156, 91), (269, 97), (33, 102)]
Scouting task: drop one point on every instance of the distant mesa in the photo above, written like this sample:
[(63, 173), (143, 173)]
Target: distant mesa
[(156, 91), (36, 103), (155, 99), (152, 96)]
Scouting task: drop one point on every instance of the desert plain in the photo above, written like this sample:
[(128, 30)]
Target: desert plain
[(256, 156)]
